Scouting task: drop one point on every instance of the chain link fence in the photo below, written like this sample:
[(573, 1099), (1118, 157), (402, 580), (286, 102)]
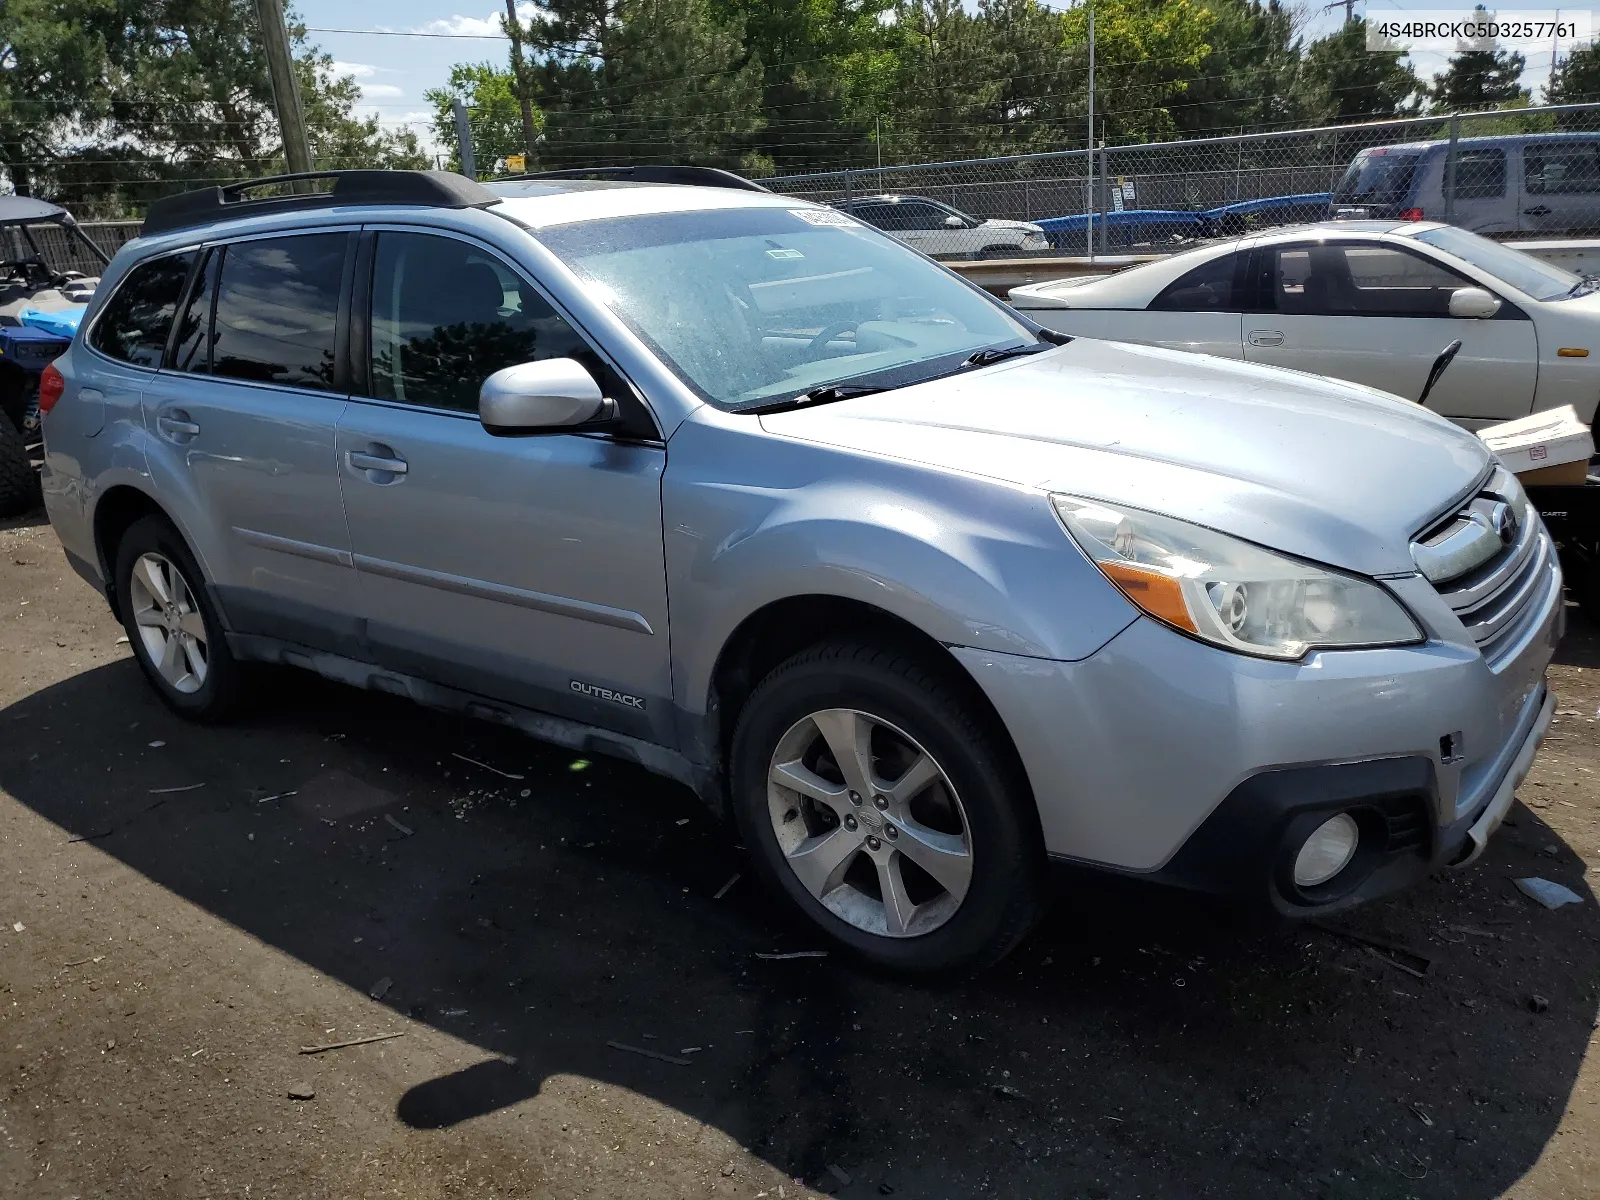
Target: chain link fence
[(1532, 172)]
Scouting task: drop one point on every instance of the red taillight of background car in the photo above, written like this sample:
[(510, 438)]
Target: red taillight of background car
[(51, 384), (1411, 214)]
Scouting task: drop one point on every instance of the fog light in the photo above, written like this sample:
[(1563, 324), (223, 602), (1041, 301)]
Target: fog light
[(1327, 851)]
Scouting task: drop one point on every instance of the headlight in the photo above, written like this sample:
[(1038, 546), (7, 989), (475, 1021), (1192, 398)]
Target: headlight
[(1230, 592)]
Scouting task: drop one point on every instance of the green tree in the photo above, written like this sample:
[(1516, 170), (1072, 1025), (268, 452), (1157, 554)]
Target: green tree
[(1341, 80), (54, 62), (1576, 79), (1480, 76), (493, 113), (1249, 77), (644, 81), (149, 97)]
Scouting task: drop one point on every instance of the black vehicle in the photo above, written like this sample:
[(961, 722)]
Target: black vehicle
[(31, 288)]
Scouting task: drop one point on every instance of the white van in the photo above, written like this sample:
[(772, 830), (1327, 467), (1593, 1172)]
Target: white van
[(1540, 183)]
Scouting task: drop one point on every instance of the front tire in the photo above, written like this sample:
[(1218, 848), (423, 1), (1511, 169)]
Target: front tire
[(872, 797), (173, 627)]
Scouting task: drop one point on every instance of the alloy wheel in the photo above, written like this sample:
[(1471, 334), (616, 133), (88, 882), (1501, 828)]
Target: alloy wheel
[(169, 622), (869, 823)]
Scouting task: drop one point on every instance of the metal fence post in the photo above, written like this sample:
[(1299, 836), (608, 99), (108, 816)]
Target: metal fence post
[(1450, 172), (1105, 197)]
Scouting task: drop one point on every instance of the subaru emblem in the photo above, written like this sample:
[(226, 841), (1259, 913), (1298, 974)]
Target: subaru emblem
[(1504, 520)]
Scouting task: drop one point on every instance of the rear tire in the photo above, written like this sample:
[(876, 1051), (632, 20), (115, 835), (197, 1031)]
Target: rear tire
[(19, 482), (938, 874), (173, 627)]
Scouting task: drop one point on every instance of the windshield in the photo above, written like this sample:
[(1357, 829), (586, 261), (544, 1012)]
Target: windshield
[(1377, 177), (1527, 274), (753, 305)]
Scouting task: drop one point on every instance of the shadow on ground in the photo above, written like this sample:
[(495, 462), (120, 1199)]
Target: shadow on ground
[(1139, 1043)]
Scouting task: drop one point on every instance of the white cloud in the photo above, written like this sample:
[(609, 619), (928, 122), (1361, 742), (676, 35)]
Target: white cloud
[(381, 91), (354, 70), (489, 26)]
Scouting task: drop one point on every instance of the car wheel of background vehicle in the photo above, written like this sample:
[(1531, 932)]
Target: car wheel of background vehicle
[(19, 482), (872, 796), (172, 625), (999, 252)]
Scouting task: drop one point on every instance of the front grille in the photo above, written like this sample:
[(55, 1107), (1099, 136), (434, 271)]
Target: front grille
[(1497, 598)]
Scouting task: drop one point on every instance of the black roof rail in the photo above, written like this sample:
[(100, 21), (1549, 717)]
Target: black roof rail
[(429, 189), (697, 176)]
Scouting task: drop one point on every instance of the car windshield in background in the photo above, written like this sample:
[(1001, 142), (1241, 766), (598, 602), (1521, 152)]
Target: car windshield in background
[(1527, 274), (749, 306), (1377, 179)]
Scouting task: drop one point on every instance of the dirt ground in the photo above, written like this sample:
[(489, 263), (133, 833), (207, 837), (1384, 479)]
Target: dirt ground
[(182, 909)]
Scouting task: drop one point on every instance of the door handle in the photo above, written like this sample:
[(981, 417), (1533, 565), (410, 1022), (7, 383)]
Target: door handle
[(176, 424), (1264, 337), (1538, 210), (363, 461)]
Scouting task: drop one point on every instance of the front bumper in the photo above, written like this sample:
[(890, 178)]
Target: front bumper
[(1169, 758)]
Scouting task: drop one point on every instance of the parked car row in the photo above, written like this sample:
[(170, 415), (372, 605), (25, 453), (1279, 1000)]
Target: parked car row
[(919, 593), (1544, 184), (1372, 302)]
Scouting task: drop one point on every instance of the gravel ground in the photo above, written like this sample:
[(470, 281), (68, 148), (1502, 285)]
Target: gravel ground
[(183, 908)]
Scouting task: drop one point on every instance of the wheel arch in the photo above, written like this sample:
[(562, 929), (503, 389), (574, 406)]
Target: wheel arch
[(115, 512), (782, 628)]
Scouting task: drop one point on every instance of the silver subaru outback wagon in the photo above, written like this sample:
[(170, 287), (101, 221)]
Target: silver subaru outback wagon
[(919, 595)]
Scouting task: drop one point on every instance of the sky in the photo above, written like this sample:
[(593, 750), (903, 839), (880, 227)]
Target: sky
[(424, 38)]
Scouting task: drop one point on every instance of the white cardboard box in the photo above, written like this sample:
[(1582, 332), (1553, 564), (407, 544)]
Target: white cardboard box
[(1553, 444)]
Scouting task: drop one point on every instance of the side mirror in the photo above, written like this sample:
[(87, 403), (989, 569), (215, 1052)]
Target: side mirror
[(954, 222), (547, 396), (1473, 302)]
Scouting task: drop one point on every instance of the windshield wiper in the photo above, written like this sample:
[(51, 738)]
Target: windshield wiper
[(994, 354), (826, 394), (1587, 284)]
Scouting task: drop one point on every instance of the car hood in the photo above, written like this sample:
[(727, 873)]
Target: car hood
[(1329, 471)]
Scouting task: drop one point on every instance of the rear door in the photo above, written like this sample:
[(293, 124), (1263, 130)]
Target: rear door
[(242, 423), (1375, 313), (1561, 188), (525, 568)]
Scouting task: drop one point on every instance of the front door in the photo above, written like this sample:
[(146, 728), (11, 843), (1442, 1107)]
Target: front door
[(243, 419), (1378, 314), (524, 568)]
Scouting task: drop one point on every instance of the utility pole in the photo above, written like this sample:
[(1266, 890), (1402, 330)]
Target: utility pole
[(285, 88), (1349, 7), (1089, 187), (469, 165), (520, 73)]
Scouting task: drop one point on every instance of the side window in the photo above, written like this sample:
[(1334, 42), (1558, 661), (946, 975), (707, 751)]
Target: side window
[(1360, 280), (1208, 288), (192, 349), (876, 215), (278, 310), (922, 215), (134, 327), (893, 217), (1565, 168), (447, 315), (1480, 174)]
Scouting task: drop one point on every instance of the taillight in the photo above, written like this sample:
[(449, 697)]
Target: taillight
[(1411, 214), (51, 384)]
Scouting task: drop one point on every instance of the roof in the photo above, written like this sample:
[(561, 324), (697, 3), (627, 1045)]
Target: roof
[(1486, 139), (568, 205), (25, 210)]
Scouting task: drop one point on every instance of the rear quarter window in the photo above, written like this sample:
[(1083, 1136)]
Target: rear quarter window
[(135, 324)]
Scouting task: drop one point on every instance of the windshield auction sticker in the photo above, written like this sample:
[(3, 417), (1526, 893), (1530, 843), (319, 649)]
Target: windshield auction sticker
[(1452, 30), (821, 216)]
